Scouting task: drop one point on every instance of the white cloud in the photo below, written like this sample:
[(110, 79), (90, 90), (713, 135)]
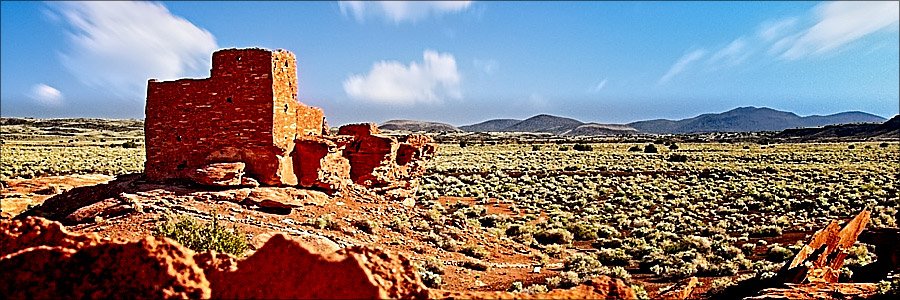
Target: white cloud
[(682, 64), (599, 86), (401, 11), (46, 95), (392, 82), (840, 23), (487, 66), (771, 30), (731, 55), (119, 45)]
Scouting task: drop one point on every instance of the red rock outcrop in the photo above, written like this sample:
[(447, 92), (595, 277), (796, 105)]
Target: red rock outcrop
[(818, 291), (353, 273), (601, 287), (380, 161), (60, 265), (42, 260), (822, 259), (681, 289), (245, 118)]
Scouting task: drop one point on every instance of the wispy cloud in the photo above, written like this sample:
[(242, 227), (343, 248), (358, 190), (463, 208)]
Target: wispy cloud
[(771, 30), (839, 23), (119, 45), (682, 63), (834, 25), (401, 11), (46, 95), (731, 55), (392, 82), (597, 88)]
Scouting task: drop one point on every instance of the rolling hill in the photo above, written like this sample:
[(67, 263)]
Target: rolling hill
[(748, 119), (887, 130), (545, 123), (490, 125), (416, 126)]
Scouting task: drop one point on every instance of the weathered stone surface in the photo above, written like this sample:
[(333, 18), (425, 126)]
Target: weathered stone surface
[(359, 130), (681, 290), (246, 111), (43, 261), (16, 235), (822, 259), (218, 174), (821, 290), (354, 273), (284, 198), (601, 287), (314, 243), (318, 164), (106, 208)]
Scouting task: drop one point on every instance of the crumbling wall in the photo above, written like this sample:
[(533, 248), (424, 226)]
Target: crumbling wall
[(248, 112)]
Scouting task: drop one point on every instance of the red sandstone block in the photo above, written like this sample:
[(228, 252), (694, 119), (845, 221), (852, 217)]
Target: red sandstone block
[(358, 130)]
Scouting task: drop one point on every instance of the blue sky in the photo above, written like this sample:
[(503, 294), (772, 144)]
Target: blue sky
[(465, 62)]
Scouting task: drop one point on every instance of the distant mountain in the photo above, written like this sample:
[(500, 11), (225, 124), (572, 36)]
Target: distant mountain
[(545, 123), (549, 124), (887, 130), (416, 126), (593, 129), (490, 125), (745, 119)]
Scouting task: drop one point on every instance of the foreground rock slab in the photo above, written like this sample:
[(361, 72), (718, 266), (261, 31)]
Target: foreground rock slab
[(822, 259), (820, 291), (41, 259)]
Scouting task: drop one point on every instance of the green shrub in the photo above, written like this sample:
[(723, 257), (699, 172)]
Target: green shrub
[(324, 222), (129, 145), (430, 272), (475, 265), (677, 158), (201, 237), (474, 251), (583, 147), (492, 221), (634, 149), (765, 231), (613, 257), (582, 231), (366, 226), (779, 254), (554, 251), (650, 148), (553, 236)]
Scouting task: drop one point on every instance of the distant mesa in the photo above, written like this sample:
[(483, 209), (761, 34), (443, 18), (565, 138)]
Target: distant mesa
[(889, 130)]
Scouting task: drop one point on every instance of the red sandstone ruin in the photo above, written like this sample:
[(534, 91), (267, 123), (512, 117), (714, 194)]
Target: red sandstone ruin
[(245, 124)]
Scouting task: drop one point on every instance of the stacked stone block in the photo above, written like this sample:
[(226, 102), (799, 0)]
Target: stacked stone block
[(248, 112)]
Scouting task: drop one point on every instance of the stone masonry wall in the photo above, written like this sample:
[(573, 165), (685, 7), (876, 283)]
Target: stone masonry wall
[(245, 122), (246, 111)]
